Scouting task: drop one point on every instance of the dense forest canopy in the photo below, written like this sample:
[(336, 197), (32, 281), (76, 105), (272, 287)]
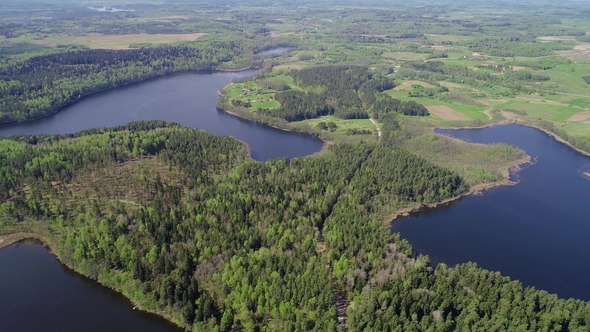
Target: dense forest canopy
[(347, 92), (44, 84), (187, 224)]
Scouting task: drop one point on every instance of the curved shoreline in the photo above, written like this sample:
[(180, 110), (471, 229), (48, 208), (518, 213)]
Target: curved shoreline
[(520, 123), (212, 71), (7, 240), (477, 189), (325, 144), (13, 238)]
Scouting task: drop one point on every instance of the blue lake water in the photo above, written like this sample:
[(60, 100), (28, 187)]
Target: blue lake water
[(537, 231)]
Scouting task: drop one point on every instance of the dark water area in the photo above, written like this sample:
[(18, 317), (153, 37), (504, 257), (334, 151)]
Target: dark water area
[(40, 294), (37, 293), (537, 231), (188, 99)]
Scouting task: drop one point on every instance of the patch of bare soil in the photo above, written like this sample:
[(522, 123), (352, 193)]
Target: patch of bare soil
[(408, 84), (580, 117), (446, 113), (581, 51), (278, 34), (508, 115), (556, 38)]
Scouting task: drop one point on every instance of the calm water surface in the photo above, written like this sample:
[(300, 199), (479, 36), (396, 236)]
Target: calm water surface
[(188, 99), (40, 294), (36, 292), (537, 231)]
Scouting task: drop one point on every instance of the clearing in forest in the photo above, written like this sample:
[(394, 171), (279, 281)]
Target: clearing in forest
[(277, 34), (581, 51), (120, 42), (408, 84), (556, 38), (446, 113), (583, 116)]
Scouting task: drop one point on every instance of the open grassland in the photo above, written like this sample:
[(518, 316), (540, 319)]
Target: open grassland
[(406, 56), (475, 162), (253, 93), (578, 129), (555, 113), (343, 125), (462, 112), (446, 113), (409, 84)]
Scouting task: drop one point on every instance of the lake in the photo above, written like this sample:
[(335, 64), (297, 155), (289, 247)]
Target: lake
[(188, 99), (37, 293), (537, 231), (40, 294)]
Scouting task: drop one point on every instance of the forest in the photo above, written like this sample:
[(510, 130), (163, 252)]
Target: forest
[(347, 92), (186, 225), (42, 85)]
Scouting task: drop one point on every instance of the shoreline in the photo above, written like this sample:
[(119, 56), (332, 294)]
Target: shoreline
[(520, 123), (7, 240), (325, 143), (13, 238), (212, 71), (477, 189)]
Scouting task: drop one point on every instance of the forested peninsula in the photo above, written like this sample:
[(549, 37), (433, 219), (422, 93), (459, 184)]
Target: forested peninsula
[(184, 224)]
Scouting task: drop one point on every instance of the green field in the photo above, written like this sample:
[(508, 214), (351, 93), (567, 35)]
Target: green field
[(343, 125), (556, 113)]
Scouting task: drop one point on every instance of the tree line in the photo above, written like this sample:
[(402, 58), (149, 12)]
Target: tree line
[(42, 85), (347, 92)]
